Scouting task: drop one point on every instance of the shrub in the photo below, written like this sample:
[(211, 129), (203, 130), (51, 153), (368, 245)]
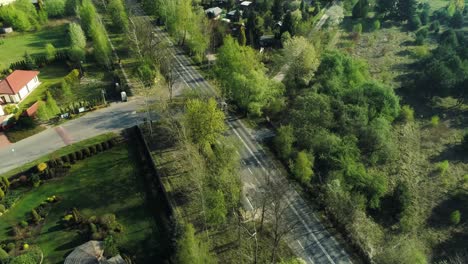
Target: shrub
[(357, 28), (23, 179), (376, 25), (414, 23), (435, 26), (10, 109), (421, 52), (442, 167), (41, 167), (3, 256), (435, 121), (35, 216), (55, 8), (465, 141), (86, 152), (10, 246), (99, 148), (421, 36), (24, 224), (79, 155), (2, 208), (72, 157), (51, 52), (25, 246), (2, 194), (35, 180), (112, 142), (92, 150), (65, 159), (105, 145), (455, 217), (407, 114)]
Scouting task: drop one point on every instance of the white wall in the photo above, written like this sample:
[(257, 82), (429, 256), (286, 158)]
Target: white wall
[(1, 111), (23, 92)]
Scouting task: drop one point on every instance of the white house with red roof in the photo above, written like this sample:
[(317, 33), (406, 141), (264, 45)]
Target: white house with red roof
[(17, 86)]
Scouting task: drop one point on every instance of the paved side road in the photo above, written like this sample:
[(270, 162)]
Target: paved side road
[(111, 119), (310, 239)]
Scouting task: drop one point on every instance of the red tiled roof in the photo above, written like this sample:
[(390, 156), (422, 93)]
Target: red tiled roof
[(31, 111), (16, 80)]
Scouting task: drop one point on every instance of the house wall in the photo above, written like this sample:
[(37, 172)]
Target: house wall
[(1, 111), (6, 2), (32, 84), (23, 92)]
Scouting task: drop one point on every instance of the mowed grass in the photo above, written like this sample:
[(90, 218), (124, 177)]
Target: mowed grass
[(16, 44), (105, 183)]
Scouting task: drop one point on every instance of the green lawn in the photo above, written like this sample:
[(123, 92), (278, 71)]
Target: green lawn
[(16, 44), (105, 183)]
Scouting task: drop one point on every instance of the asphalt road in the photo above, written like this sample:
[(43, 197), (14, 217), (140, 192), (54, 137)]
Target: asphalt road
[(111, 119), (309, 239)]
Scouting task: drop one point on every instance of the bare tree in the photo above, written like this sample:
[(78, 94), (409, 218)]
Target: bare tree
[(168, 67), (281, 222)]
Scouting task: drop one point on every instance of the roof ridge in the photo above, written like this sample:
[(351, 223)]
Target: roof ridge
[(9, 85)]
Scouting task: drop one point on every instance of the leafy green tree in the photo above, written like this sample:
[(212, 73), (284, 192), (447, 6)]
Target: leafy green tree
[(204, 121), (284, 141), (303, 61), (101, 47), (216, 208), (277, 9), (407, 9), (55, 8), (88, 16), (52, 104), (50, 51), (190, 249), (118, 15), (361, 9), (457, 20), (302, 167), (76, 54), (71, 6), (2, 194), (254, 27), (242, 77)]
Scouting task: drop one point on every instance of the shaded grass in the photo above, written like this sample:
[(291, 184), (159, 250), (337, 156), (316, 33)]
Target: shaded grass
[(16, 44), (15, 134), (63, 151), (105, 183)]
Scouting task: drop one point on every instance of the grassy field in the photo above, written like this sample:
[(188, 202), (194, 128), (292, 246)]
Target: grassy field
[(16, 44), (63, 151), (105, 183)]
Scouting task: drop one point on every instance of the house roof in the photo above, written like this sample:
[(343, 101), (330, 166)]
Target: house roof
[(13, 83), (246, 3)]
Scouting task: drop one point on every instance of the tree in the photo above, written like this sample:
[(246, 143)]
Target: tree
[(2, 194), (457, 20), (88, 16), (71, 6), (242, 77), (28, 61), (277, 10), (168, 69), (407, 9), (242, 38), (217, 211), (101, 46), (254, 28), (302, 167), (361, 9), (284, 141), (118, 15), (52, 104), (303, 61), (50, 51), (76, 36), (190, 249), (386, 7), (204, 121), (55, 8), (35, 216)]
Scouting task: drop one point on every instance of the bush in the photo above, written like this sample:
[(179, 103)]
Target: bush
[(36, 180), (24, 224), (92, 150), (376, 25), (41, 167), (421, 36), (442, 167), (465, 141), (35, 216), (407, 114), (105, 145), (86, 152), (435, 26), (10, 109), (2, 194), (99, 148), (72, 157), (55, 8), (357, 28), (79, 155), (2, 208), (414, 23), (421, 52), (23, 179), (65, 159), (435, 121), (3, 256), (51, 52), (455, 217), (10, 246)]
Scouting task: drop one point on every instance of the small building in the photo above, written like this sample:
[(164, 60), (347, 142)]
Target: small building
[(234, 15), (6, 30), (17, 86), (214, 12)]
